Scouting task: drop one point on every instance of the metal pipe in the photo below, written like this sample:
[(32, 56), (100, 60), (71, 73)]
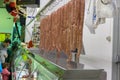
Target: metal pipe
[(17, 30)]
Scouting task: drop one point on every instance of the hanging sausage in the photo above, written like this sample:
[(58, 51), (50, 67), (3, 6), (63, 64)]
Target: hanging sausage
[(63, 29)]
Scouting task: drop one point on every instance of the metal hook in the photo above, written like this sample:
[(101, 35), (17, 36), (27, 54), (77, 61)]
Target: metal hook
[(104, 2)]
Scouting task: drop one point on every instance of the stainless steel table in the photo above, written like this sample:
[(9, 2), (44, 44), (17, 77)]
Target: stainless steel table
[(65, 70)]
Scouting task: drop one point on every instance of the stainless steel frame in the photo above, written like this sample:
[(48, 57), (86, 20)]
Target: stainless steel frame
[(116, 45)]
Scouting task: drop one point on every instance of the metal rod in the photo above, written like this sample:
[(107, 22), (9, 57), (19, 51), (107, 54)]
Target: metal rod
[(17, 30)]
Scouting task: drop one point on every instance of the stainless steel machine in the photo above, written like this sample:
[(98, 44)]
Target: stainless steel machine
[(49, 67)]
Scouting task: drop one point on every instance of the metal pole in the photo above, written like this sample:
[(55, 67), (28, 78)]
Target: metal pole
[(17, 30), (116, 46)]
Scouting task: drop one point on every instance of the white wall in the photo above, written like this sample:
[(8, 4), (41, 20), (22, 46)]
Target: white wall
[(98, 49)]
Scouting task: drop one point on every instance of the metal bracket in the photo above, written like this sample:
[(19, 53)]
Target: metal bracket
[(117, 59)]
